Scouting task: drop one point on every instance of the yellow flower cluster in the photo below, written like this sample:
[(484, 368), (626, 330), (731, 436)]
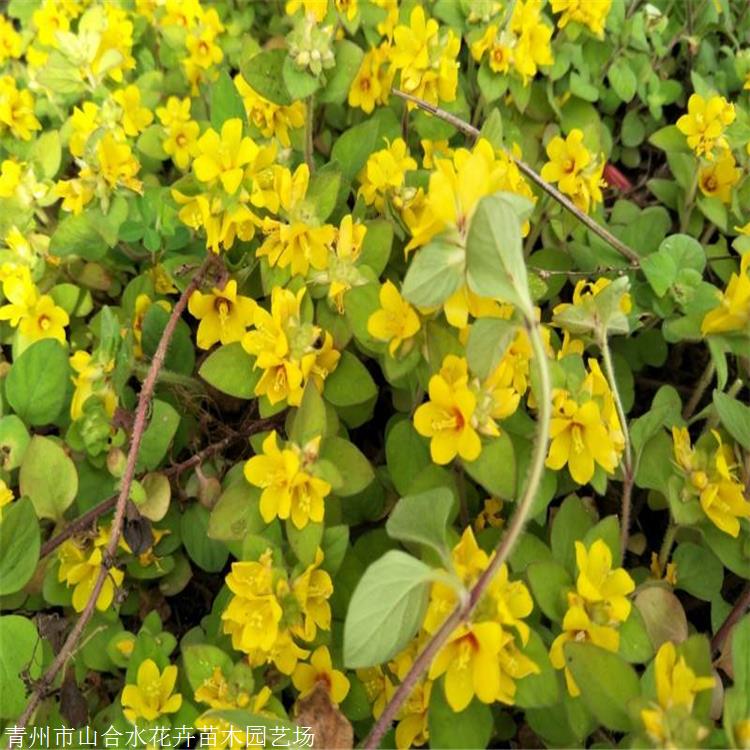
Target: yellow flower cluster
[(585, 429), (92, 378), (10, 41), (81, 560), (372, 84), (596, 608), (590, 13), (395, 321), (460, 408), (575, 171), (523, 45), (732, 315), (272, 120), (180, 131), (705, 123), (290, 487), (425, 56), (16, 110), (289, 350), (383, 178), (712, 477), (676, 688), (268, 613)]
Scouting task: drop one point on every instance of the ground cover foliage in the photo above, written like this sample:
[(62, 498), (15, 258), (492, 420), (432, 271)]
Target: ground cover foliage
[(378, 368)]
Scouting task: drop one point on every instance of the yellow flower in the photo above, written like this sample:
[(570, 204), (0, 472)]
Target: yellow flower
[(224, 315), (447, 420), (52, 16), (605, 590), (378, 687), (36, 316), (289, 491), (10, 41), (384, 173), (135, 118), (273, 120), (372, 83), (412, 729), (75, 194), (181, 142), (91, 379), (175, 111), (676, 686), (733, 312), (718, 178), (580, 438), (578, 626), (116, 41), (315, 8), (499, 46), (705, 122), (312, 589), (590, 13), (395, 321), (532, 47), (10, 177), (117, 165), (253, 614), (320, 671), (203, 50), (222, 157), (434, 150), (490, 516), (17, 110), (79, 567), (669, 574), (152, 696), (426, 58)]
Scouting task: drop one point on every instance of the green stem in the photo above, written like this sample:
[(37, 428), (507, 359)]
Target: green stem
[(700, 388), (667, 544), (628, 475)]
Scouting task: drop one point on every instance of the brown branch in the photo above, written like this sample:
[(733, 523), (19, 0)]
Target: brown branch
[(738, 610), (139, 426), (551, 190)]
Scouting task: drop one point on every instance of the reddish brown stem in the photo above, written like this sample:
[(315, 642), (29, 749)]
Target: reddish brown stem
[(735, 615), (139, 426)]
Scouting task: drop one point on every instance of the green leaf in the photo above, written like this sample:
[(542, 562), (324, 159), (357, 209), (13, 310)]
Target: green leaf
[(741, 655), (455, 730), (14, 440), (304, 542), (495, 264), (37, 383), (158, 436), (264, 74), (236, 513), (348, 59), (663, 615), (20, 652), (309, 420), (356, 471), (150, 143), (181, 353), (406, 454), (550, 582), (669, 138), (353, 146), (622, 78), (435, 273), (495, 469), (48, 477), (350, 383), (158, 495), (200, 661), (226, 102), (19, 545), (734, 416), (571, 523), (423, 519), (607, 683), (635, 643), (699, 572), (376, 246), (229, 369), (299, 83), (660, 270), (77, 235), (205, 552), (489, 338), (47, 153), (492, 129), (324, 190), (543, 687), (386, 609)]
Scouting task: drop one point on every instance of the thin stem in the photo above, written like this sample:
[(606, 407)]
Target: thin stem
[(464, 609), (628, 475), (667, 544), (700, 388), (170, 377), (563, 200), (309, 127), (735, 615), (139, 427)]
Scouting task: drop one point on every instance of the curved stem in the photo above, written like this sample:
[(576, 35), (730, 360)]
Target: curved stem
[(735, 615), (667, 544), (139, 427), (700, 388), (551, 190), (464, 609), (628, 476)]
